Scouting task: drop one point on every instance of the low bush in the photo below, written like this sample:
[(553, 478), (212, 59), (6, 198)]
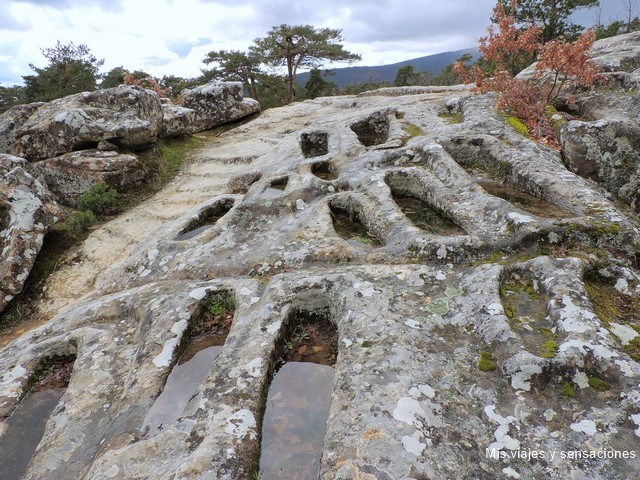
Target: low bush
[(77, 223), (100, 199)]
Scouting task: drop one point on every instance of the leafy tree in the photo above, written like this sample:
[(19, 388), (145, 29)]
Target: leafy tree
[(296, 46), (71, 69), (10, 96), (558, 60), (363, 87), (551, 15), (237, 66), (177, 84), (448, 76), (317, 86), (273, 91), (408, 76), (404, 76), (617, 27), (114, 77)]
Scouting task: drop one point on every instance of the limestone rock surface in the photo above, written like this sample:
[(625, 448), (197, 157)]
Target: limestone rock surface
[(621, 52), (217, 103), (607, 151), (416, 302), (72, 174), (177, 120), (129, 117), (618, 54), (27, 211), (11, 121)]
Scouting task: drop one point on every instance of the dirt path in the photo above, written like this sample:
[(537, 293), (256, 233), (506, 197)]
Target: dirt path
[(204, 175)]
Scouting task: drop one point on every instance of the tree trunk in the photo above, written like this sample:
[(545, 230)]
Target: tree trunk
[(292, 91)]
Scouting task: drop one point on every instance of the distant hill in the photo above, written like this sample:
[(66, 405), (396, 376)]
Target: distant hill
[(434, 64)]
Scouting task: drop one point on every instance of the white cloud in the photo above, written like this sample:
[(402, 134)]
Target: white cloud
[(172, 37)]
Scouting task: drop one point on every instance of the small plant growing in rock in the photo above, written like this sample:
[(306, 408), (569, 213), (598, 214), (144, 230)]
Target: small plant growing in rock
[(486, 362), (219, 308), (567, 390), (598, 384), (100, 199)]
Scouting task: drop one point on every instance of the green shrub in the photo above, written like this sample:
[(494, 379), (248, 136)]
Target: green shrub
[(100, 199), (77, 223)]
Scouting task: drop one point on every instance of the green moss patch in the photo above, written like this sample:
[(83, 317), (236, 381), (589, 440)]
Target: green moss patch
[(525, 308), (599, 384), (414, 130), (518, 125), (451, 118), (486, 363), (612, 306)]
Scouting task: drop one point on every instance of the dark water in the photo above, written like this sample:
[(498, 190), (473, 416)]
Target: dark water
[(295, 420), (322, 170), (192, 233), (181, 385), (276, 187), (427, 218), (530, 203), (25, 428), (209, 218)]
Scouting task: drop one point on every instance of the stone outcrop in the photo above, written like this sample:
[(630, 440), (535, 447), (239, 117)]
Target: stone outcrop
[(72, 174), (176, 120), (129, 117), (618, 56), (11, 121), (603, 144), (27, 211), (618, 53), (217, 103), (418, 311), (607, 151)]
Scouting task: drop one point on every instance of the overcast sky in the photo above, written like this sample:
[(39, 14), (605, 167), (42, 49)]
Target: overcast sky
[(173, 36)]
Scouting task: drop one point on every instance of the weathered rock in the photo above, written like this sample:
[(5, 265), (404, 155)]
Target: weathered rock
[(27, 211), (616, 105), (11, 121), (614, 54), (129, 117), (72, 174), (177, 120), (414, 309), (607, 151), (217, 103), (621, 52)]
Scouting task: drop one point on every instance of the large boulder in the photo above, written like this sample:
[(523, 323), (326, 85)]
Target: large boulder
[(127, 116), (72, 174), (607, 151), (12, 120), (27, 211), (621, 52), (217, 103), (176, 120)]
